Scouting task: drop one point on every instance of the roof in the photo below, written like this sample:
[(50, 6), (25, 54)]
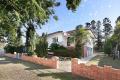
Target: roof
[(71, 32), (55, 32)]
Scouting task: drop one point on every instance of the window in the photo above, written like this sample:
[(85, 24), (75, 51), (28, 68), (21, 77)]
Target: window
[(55, 39)]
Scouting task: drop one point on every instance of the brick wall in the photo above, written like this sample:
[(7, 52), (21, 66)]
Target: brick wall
[(95, 72), (52, 63)]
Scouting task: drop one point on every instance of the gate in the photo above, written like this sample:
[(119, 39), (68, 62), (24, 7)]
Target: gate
[(64, 64)]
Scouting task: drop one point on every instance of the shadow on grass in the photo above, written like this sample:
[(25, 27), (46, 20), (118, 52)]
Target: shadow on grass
[(106, 60), (102, 60), (61, 76)]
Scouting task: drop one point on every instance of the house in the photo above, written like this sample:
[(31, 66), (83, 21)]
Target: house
[(66, 39)]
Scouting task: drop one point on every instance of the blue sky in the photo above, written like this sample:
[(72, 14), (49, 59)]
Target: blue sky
[(87, 11)]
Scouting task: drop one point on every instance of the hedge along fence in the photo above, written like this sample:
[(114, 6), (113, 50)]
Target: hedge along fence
[(95, 72), (52, 63)]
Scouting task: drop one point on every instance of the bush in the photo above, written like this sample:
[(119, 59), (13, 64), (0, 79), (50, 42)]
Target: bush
[(108, 47), (62, 51), (41, 47), (55, 46), (31, 53), (10, 49), (65, 53)]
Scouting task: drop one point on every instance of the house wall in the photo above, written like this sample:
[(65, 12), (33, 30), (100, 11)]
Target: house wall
[(88, 47), (62, 40)]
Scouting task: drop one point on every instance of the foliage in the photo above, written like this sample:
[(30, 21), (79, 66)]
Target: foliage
[(99, 36), (30, 38), (10, 49), (16, 13), (30, 53), (93, 25), (65, 53), (107, 27), (55, 46), (80, 39), (42, 46), (113, 42), (108, 47), (72, 4)]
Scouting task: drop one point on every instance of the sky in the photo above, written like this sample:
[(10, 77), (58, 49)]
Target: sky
[(87, 11)]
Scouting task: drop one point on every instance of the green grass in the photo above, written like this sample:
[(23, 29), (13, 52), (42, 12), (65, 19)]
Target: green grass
[(102, 60)]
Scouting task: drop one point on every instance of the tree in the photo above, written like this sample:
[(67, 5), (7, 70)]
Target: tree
[(112, 43), (28, 12), (72, 4), (93, 25), (107, 27), (88, 25), (41, 46), (99, 36), (108, 46), (80, 39), (117, 34)]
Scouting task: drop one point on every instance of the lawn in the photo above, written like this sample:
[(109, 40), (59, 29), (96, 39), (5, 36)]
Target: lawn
[(102, 60)]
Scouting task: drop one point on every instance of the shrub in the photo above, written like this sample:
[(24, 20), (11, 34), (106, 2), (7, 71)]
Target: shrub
[(55, 46), (108, 47), (10, 49), (41, 47), (65, 53), (62, 51), (31, 53)]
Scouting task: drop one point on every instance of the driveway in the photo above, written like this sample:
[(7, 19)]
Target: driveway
[(12, 69)]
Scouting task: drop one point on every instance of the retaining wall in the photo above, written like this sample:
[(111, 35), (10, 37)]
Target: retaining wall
[(52, 63), (95, 72)]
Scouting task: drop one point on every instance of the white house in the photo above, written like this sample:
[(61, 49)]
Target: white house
[(62, 38)]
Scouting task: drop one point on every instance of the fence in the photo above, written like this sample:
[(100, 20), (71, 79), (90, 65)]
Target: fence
[(52, 63), (95, 72)]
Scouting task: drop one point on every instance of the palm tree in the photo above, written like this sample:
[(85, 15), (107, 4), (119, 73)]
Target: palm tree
[(80, 39)]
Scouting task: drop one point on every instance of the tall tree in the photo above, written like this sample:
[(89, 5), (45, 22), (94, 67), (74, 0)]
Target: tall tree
[(107, 27), (93, 25), (117, 33), (30, 38), (99, 36), (87, 25)]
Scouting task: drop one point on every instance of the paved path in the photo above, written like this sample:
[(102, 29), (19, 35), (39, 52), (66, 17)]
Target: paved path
[(12, 69), (87, 59)]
